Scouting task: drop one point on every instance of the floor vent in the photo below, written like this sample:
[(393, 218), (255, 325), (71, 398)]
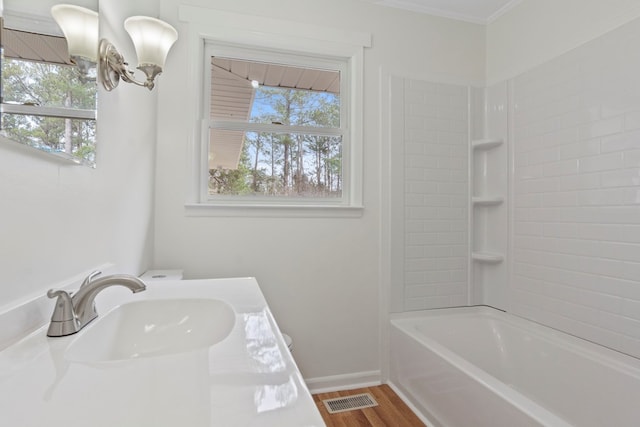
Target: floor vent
[(349, 403)]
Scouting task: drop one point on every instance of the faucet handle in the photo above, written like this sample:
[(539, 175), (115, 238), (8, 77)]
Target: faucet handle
[(63, 319), (64, 306), (89, 278)]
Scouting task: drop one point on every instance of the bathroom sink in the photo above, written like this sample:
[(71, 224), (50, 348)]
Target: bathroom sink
[(152, 328)]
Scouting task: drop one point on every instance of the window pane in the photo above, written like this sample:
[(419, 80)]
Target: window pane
[(53, 134), (251, 91), (46, 85), (295, 107), (277, 164), (288, 163)]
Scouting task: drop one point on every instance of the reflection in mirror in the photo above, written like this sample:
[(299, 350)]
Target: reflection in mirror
[(48, 103)]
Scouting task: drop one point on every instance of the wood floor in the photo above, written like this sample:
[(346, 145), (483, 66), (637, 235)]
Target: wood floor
[(390, 412)]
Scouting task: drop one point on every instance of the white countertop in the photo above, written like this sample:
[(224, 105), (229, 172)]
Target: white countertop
[(248, 379)]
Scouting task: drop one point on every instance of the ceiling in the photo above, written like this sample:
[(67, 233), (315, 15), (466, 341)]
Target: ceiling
[(477, 11)]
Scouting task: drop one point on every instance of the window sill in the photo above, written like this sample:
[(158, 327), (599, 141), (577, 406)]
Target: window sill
[(272, 211)]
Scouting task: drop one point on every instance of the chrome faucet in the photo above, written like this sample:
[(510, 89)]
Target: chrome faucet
[(74, 312)]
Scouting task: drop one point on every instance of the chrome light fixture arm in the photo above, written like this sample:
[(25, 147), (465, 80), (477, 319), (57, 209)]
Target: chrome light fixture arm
[(113, 67)]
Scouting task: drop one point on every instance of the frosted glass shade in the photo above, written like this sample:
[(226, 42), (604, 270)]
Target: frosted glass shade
[(80, 28), (152, 39)]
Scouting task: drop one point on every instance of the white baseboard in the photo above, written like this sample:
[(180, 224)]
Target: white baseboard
[(343, 382)]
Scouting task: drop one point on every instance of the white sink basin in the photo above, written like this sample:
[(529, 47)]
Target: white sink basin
[(153, 328)]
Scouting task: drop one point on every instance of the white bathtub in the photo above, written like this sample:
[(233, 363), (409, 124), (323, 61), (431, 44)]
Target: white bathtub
[(477, 366)]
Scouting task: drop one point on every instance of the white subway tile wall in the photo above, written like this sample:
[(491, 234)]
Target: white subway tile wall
[(435, 195), (576, 194)]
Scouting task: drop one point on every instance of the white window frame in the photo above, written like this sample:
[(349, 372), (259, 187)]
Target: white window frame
[(275, 41), (213, 49)]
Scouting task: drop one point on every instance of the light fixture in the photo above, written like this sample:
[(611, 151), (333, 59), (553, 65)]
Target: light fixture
[(80, 27), (152, 39)]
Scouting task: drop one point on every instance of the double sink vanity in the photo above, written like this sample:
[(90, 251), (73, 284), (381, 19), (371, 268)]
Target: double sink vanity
[(182, 353)]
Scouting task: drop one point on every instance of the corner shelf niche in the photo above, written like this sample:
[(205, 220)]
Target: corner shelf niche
[(489, 204), (486, 144), (487, 200), (487, 257)]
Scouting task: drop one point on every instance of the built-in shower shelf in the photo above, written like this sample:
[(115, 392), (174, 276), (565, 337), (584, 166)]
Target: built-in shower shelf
[(487, 200), (486, 144), (487, 257)]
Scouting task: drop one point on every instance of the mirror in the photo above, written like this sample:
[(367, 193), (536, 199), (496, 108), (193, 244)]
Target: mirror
[(48, 103)]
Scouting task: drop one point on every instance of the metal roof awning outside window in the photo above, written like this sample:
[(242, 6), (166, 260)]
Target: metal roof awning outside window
[(30, 46)]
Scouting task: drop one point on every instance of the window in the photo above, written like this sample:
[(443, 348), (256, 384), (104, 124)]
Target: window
[(278, 128), (259, 159), (47, 103)]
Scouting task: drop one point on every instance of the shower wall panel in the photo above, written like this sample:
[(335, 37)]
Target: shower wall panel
[(576, 192), (436, 194)]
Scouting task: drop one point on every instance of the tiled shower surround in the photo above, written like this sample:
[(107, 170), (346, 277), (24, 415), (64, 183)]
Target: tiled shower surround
[(574, 193), (435, 194)]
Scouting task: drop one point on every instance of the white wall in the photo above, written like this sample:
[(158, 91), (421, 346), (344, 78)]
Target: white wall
[(536, 31), (320, 276), (58, 221)]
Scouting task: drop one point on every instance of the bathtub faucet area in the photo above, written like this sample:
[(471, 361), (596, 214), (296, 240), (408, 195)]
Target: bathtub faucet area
[(74, 312)]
